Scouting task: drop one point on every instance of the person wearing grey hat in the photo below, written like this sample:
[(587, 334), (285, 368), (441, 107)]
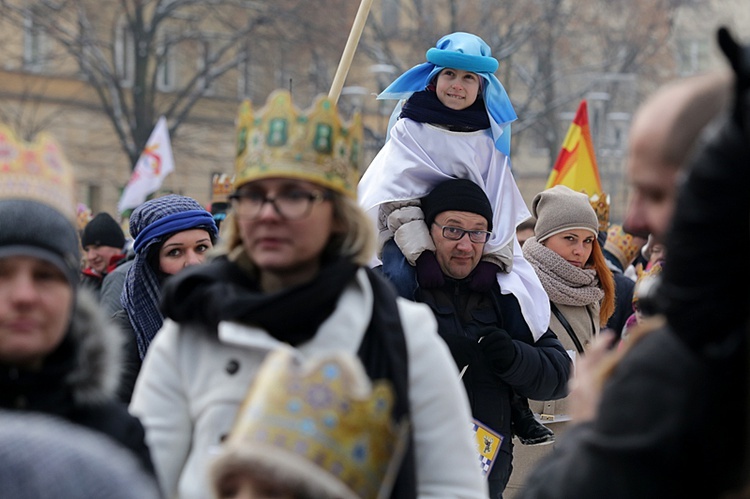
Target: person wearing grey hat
[(483, 326), (566, 255), (58, 355), (665, 414)]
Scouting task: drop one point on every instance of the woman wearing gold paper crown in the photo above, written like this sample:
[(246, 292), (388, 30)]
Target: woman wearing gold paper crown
[(294, 272), (58, 354)]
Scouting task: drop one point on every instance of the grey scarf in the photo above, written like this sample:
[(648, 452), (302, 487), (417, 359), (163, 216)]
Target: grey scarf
[(565, 284)]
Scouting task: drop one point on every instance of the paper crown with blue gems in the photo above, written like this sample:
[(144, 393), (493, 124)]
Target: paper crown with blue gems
[(319, 426), (281, 141)]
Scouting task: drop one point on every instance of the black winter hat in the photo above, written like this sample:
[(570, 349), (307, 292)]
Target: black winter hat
[(102, 230), (459, 195), (31, 228)]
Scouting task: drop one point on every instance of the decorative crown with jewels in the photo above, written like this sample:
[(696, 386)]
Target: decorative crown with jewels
[(221, 187), (600, 203), (280, 141), (320, 426), (38, 171), (622, 245)]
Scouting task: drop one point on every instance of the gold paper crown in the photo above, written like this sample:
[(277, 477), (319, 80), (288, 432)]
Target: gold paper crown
[(221, 188), (37, 171), (322, 425), (600, 203), (83, 216), (282, 142), (621, 245)]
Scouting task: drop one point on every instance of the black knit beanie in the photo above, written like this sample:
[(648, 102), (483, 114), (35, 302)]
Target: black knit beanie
[(457, 195), (31, 228), (102, 230)]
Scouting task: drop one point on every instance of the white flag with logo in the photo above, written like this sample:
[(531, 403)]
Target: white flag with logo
[(154, 164)]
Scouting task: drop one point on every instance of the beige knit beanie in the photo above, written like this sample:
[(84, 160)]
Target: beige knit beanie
[(560, 208)]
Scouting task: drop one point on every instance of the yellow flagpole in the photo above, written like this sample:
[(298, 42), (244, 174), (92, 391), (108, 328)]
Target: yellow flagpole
[(351, 46)]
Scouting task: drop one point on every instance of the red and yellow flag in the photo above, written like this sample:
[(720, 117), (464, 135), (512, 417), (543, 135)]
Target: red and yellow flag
[(576, 164)]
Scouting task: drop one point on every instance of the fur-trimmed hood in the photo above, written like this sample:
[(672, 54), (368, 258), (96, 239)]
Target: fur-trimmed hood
[(99, 347)]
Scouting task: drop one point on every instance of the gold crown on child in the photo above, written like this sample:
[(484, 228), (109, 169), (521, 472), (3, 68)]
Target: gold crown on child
[(324, 421), (38, 171), (315, 145)]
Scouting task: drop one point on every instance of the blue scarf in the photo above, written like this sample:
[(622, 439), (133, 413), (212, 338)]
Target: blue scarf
[(151, 224)]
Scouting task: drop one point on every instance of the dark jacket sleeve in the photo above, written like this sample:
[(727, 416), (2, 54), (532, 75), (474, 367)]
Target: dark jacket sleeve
[(541, 370), (131, 359), (639, 445)]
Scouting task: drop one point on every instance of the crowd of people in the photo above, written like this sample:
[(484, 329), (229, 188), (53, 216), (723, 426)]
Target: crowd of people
[(400, 335)]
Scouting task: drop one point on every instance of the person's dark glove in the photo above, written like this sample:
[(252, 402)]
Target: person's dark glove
[(429, 273), (497, 347), (465, 351), (484, 276)]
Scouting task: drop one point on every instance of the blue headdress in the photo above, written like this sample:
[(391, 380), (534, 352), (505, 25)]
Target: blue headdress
[(151, 224), (469, 53)]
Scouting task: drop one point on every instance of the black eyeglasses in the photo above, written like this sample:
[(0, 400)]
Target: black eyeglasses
[(290, 205), (456, 233)]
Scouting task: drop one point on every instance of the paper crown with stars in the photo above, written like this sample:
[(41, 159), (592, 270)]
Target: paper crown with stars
[(36, 171), (319, 427), (280, 141)]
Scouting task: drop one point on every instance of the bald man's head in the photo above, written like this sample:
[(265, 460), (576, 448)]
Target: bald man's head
[(665, 131)]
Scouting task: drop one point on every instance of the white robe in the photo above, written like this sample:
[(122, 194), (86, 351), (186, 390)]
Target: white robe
[(419, 156)]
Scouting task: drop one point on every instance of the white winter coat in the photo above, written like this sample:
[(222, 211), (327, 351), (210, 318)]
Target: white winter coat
[(193, 382)]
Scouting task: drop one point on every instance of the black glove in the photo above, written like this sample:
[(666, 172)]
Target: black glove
[(429, 273), (498, 348), (465, 351), (484, 276)]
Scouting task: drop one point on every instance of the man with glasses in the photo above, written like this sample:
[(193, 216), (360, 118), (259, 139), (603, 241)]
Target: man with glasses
[(485, 330)]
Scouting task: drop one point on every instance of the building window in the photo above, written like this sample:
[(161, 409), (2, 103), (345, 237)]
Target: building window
[(33, 42), (165, 71), (125, 55), (205, 83), (245, 81)]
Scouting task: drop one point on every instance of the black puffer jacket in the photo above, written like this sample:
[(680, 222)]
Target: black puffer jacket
[(78, 381), (540, 369)]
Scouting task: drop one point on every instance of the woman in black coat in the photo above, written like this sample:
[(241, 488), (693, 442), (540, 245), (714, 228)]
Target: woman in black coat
[(57, 354)]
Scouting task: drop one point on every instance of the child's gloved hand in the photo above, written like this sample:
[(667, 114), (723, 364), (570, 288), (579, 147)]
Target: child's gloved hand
[(484, 276), (429, 273)]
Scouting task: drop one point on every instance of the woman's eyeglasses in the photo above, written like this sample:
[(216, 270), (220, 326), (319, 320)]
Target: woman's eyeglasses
[(456, 233), (290, 205)]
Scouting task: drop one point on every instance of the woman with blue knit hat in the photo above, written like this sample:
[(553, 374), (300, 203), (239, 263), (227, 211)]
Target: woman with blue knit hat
[(455, 123), (170, 233)]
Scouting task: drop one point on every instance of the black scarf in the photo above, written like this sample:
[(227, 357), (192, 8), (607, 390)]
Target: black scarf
[(222, 291), (425, 107), (44, 390)]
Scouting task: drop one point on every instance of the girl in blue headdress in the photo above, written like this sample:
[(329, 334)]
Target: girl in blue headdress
[(455, 123)]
